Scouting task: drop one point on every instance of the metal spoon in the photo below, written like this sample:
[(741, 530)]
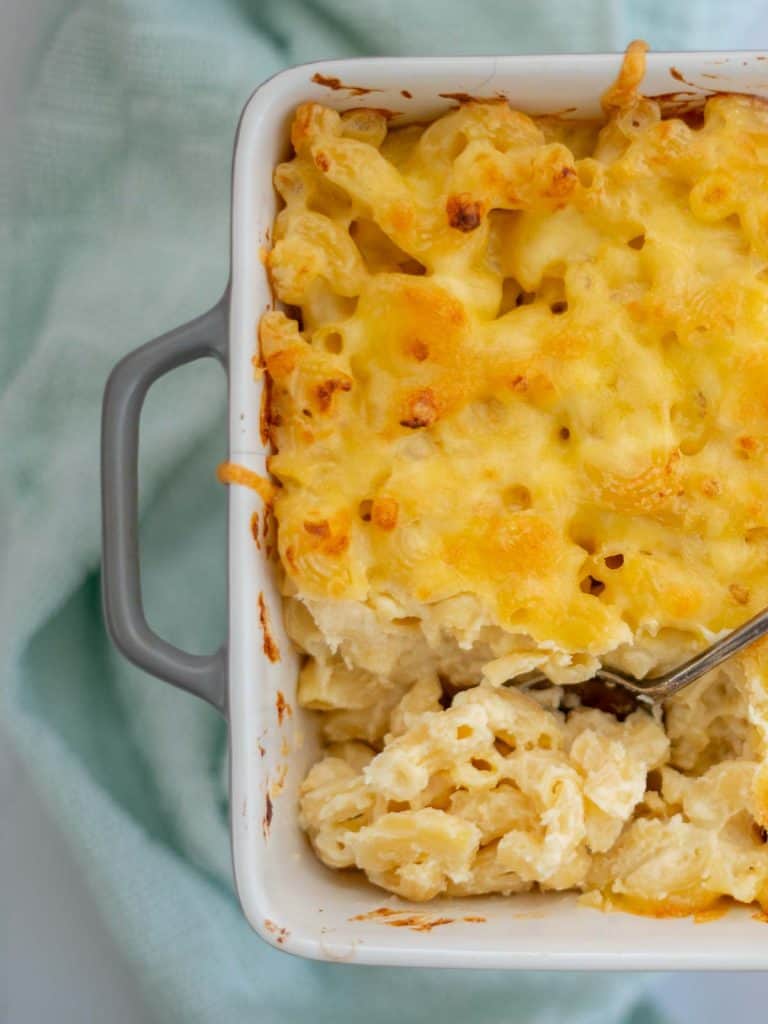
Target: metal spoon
[(660, 687)]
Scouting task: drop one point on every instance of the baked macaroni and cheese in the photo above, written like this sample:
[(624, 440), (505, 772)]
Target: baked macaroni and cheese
[(519, 410)]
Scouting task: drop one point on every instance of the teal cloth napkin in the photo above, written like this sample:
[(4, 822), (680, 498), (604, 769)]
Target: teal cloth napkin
[(114, 228)]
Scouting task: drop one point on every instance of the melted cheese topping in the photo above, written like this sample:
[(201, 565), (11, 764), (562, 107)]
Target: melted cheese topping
[(571, 368), (519, 408)]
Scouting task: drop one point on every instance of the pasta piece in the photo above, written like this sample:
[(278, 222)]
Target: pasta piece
[(416, 853)]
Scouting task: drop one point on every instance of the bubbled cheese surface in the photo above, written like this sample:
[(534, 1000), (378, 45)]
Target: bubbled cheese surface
[(517, 360)]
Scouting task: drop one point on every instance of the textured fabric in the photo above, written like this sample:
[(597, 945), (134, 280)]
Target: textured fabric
[(114, 228)]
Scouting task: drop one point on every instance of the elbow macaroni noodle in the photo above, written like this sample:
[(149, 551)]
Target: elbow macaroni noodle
[(519, 412)]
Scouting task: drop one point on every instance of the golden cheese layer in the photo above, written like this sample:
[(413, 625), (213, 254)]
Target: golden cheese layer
[(519, 408), (531, 365)]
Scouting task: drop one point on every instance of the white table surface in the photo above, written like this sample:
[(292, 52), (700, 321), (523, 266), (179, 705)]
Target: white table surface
[(57, 961)]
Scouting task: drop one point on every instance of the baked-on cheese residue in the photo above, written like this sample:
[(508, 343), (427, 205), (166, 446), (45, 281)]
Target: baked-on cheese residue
[(520, 418)]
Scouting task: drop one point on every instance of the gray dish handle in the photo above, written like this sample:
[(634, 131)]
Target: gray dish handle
[(127, 387)]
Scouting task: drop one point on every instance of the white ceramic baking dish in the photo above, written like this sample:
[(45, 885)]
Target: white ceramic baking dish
[(287, 895)]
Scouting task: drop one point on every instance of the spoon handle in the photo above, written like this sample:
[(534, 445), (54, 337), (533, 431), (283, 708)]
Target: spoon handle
[(671, 682)]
